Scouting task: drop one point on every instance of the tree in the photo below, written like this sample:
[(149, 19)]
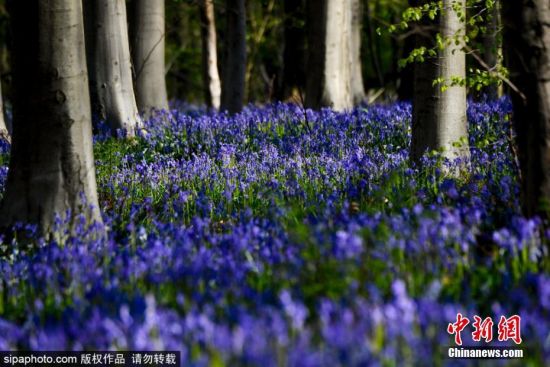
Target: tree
[(293, 80), (451, 108), (329, 61), (405, 87), (424, 102), (4, 129), (5, 126), (527, 36), (491, 47), (356, 72), (51, 169), (233, 83), (211, 77), (262, 19), (439, 109), (110, 70), (148, 37)]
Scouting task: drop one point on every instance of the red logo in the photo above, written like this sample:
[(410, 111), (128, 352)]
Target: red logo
[(457, 327), (508, 328), (483, 329)]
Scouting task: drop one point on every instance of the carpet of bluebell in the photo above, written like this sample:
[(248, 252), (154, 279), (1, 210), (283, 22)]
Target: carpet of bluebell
[(284, 237)]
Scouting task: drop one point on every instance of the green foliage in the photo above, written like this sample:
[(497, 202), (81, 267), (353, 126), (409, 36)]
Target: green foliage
[(184, 50), (475, 20)]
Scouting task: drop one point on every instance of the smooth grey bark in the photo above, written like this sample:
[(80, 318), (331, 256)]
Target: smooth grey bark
[(452, 104), (527, 39), (148, 38), (439, 114), (337, 91), (329, 74), (210, 73), (356, 70), (4, 131), (5, 124), (110, 69), (51, 168), (234, 75)]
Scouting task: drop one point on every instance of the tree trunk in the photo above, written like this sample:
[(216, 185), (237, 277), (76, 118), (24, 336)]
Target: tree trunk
[(405, 89), (424, 100), (316, 15), (148, 37), (4, 131), (329, 85), (527, 37), (294, 56), (5, 124), (356, 69), (439, 116), (110, 70), (211, 76), (452, 104), (51, 167), (233, 83)]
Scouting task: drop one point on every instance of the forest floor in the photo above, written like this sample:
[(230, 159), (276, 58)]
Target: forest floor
[(283, 238)]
